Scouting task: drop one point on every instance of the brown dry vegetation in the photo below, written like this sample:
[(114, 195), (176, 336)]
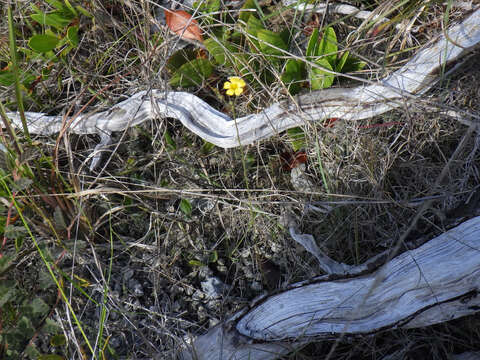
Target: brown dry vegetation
[(131, 263)]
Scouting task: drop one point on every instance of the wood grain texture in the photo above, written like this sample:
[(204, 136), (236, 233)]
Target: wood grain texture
[(436, 282)]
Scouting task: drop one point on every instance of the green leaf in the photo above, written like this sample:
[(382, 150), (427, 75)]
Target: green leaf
[(56, 4), (58, 340), (328, 46), (341, 62), (297, 138), (51, 357), (194, 263), (45, 280), (32, 352), (245, 15), (186, 207), (213, 257), (286, 36), (7, 77), (7, 290), (207, 6), (39, 307), (171, 145), (83, 11), (312, 46), (319, 78), (43, 43), (25, 327), (207, 147), (353, 64), (72, 35), (254, 25), (293, 75), (70, 8), (55, 19), (192, 73), (51, 327), (268, 40), (179, 58), (219, 50)]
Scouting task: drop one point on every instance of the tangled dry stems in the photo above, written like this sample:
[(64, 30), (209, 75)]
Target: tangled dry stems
[(142, 236)]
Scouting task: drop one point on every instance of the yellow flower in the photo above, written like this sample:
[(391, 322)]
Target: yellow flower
[(234, 86)]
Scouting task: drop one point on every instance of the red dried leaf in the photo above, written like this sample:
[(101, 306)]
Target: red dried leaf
[(291, 161), (330, 122), (182, 24)]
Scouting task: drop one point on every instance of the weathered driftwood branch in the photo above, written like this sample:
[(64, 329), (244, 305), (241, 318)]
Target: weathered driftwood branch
[(364, 101), (436, 282)]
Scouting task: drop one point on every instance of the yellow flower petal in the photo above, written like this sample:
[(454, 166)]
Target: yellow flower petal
[(230, 92), (227, 85), (238, 91), (241, 83)]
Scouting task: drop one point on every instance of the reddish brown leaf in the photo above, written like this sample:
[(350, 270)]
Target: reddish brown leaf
[(330, 122), (291, 161), (182, 24)]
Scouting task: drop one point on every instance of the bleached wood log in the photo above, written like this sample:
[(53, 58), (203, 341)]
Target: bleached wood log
[(439, 281), (361, 102)]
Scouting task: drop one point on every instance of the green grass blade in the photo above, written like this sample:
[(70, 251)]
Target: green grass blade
[(13, 55)]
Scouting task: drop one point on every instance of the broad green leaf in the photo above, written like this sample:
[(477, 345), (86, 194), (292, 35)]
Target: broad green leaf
[(243, 66), (58, 340), (268, 38), (219, 50), (51, 357), (319, 78), (286, 36), (53, 19), (207, 6), (341, 61), (248, 5), (254, 25), (192, 73), (43, 43), (72, 35), (328, 46), (70, 8), (297, 138), (179, 58), (186, 207), (312, 46), (56, 4), (353, 64), (293, 75)]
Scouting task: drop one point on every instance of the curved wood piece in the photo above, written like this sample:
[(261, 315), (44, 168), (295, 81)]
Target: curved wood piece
[(439, 281), (364, 101)]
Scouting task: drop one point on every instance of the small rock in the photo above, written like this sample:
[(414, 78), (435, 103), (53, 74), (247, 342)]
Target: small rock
[(213, 287), (300, 180)]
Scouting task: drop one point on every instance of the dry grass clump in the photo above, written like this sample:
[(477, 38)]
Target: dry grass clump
[(134, 243)]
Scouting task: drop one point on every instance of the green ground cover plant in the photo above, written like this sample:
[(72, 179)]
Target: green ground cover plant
[(247, 44)]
